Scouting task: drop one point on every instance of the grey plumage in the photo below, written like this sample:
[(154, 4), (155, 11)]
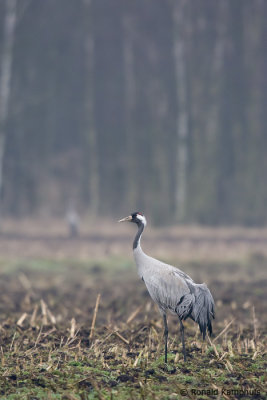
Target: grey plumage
[(172, 289), (175, 291)]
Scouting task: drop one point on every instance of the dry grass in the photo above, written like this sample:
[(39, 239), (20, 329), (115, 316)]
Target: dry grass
[(60, 339)]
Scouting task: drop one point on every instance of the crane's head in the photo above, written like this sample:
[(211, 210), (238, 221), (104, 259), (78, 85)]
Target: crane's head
[(135, 217)]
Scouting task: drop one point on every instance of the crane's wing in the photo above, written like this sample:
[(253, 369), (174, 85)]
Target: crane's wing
[(170, 291), (203, 307)]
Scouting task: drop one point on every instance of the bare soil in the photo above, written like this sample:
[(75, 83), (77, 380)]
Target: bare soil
[(48, 348), (49, 238)]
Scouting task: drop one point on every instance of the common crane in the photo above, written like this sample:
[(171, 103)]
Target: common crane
[(172, 289)]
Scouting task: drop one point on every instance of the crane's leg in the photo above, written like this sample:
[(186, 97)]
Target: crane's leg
[(165, 335), (182, 335)]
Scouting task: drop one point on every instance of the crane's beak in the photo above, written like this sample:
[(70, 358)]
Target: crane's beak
[(126, 219)]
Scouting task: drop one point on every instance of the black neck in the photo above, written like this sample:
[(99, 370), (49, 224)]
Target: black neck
[(138, 235)]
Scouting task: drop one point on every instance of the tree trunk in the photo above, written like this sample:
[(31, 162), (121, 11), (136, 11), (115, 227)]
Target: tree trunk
[(180, 192), (216, 73), (5, 77), (213, 169), (91, 137), (130, 98)]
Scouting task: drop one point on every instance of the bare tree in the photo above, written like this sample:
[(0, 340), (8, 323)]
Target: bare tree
[(5, 76), (213, 113), (130, 98), (216, 71), (91, 137), (179, 9)]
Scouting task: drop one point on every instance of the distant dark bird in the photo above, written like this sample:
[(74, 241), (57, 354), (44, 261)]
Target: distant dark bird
[(171, 288)]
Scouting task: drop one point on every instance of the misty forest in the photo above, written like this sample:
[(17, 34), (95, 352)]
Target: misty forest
[(125, 105), (153, 113)]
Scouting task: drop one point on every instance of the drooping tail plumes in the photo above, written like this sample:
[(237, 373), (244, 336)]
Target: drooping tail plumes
[(203, 309)]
